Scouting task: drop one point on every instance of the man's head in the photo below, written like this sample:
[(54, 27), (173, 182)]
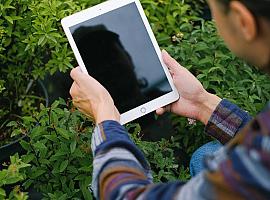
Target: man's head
[(245, 27)]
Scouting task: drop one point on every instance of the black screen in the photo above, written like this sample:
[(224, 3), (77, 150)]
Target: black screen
[(117, 51)]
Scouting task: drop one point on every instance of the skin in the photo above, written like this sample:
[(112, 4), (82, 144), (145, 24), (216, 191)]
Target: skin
[(241, 31), (91, 98)]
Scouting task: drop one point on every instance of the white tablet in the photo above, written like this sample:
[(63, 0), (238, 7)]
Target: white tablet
[(114, 43)]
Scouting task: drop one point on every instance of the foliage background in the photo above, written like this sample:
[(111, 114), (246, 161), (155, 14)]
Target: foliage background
[(34, 45)]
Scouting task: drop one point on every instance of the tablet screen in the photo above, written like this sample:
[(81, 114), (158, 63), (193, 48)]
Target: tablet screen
[(117, 51)]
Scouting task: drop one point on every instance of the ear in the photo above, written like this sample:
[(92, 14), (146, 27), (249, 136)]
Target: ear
[(245, 20)]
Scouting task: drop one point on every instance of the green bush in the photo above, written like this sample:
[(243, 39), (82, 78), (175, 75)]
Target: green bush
[(58, 149), (161, 156), (205, 55), (59, 157), (10, 175), (33, 44)]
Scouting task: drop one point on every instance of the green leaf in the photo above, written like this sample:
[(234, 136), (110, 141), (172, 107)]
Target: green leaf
[(16, 132), (200, 76), (84, 188), (63, 132), (73, 146), (85, 168), (28, 183), (25, 145), (28, 119), (2, 192), (28, 157), (36, 173), (12, 123), (55, 104), (54, 118), (52, 138), (41, 40), (38, 132), (9, 19), (72, 169), (63, 166), (41, 148), (80, 177)]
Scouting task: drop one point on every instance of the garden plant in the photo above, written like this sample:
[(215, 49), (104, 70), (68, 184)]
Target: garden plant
[(56, 158)]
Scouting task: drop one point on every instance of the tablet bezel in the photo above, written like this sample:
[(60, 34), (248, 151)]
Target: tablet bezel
[(103, 8)]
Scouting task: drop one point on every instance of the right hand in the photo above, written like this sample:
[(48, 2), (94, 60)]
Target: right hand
[(195, 102), (91, 98)]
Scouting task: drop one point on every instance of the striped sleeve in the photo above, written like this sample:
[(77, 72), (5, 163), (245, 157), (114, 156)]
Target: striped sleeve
[(226, 121), (239, 170), (119, 165)]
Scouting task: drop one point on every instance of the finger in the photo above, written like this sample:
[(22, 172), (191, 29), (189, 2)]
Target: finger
[(75, 104), (160, 111), (88, 115), (74, 89)]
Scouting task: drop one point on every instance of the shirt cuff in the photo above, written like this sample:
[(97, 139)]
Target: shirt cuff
[(107, 130), (111, 134), (226, 121)]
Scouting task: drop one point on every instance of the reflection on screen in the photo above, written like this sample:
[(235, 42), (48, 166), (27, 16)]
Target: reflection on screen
[(117, 51)]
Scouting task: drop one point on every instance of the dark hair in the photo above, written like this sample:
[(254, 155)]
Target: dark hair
[(257, 7)]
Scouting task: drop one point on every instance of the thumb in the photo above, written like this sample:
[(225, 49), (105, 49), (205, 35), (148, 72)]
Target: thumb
[(171, 63), (77, 75)]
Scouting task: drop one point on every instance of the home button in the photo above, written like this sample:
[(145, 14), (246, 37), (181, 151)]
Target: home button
[(143, 110)]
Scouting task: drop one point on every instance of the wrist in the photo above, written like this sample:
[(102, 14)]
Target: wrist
[(107, 112), (207, 107)]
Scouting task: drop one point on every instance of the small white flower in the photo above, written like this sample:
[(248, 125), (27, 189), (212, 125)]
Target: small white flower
[(191, 121)]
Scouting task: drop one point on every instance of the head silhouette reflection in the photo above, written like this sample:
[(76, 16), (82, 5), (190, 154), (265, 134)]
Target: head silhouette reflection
[(109, 63)]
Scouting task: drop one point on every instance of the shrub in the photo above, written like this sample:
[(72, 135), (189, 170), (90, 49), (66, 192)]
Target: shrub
[(11, 175), (161, 155), (58, 149), (33, 44), (205, 55)]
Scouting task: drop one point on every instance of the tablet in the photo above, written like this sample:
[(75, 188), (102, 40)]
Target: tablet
[(114, 43)]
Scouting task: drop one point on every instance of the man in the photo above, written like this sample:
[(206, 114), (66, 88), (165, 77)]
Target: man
[(239, 170)]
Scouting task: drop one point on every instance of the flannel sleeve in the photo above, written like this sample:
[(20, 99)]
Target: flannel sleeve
[(226, 121)]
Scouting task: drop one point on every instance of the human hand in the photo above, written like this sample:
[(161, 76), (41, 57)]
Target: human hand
[(91, 98), (195, 102)]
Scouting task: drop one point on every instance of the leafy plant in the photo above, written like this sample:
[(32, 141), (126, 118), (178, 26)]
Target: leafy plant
[(221, 73), (11, 175), (58, 149), (161, 156), (58, 138), (32, 45)]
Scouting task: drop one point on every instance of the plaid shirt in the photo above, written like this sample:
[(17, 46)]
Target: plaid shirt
[(239, 170)]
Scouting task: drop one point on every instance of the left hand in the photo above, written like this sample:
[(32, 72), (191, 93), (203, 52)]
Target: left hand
[(91, 98), (194, 102)]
